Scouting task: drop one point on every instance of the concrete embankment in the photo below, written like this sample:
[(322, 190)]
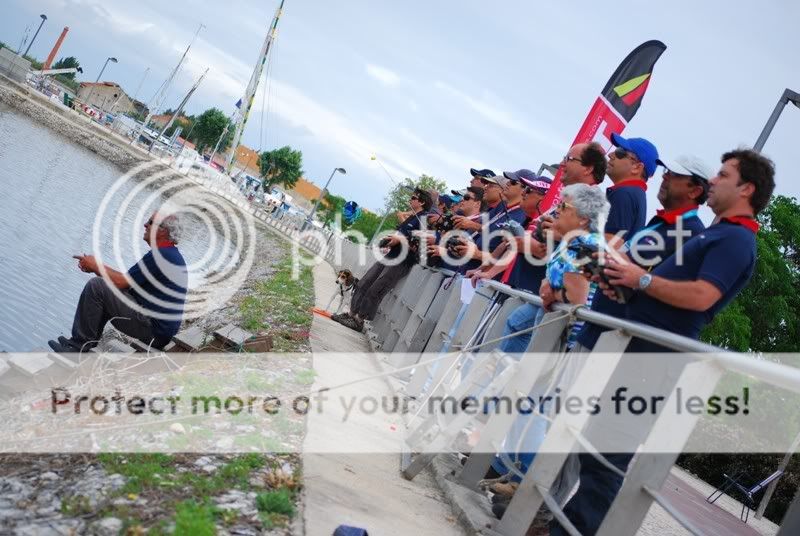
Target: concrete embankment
[(71, 124)]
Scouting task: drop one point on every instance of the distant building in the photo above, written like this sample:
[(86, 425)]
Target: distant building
[(104, 96), (163, 119), (140, 108)]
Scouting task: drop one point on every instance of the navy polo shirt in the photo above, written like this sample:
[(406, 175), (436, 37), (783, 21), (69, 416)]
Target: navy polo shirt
[(661, 229), (723, 255), (410, 224), (628, 207), (162, 284), (501, 216), (524, 275)]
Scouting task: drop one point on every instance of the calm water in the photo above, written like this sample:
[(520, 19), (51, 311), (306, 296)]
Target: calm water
[(50, 190)]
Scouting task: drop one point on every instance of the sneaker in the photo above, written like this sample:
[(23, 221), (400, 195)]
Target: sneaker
[(77, 347), (59, 348), (352, 323)]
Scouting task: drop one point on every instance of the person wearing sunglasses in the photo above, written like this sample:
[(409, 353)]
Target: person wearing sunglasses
[(383, 276), (497, 215), (479, 175), (145, 303), (682, 295), (629, 166)]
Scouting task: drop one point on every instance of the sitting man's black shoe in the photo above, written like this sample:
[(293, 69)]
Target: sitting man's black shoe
[(65, 346)]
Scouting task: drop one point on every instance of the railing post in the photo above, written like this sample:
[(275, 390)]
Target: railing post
[(560, 439), (650, 468)]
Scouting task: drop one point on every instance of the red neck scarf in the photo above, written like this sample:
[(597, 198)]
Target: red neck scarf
[(638, 183), (745, 221), (671, 216)]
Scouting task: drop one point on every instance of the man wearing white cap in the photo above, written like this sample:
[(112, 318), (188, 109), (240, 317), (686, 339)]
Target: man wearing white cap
[(684, 187)]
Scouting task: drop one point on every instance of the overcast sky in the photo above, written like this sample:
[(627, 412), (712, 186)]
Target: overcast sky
[(439, 87)]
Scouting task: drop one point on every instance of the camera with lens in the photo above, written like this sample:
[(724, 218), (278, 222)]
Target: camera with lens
[(445, 223), (513, 227), (585, 252), (452, 243)]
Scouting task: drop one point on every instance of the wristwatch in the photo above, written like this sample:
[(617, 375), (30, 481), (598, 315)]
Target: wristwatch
[(645, 281)]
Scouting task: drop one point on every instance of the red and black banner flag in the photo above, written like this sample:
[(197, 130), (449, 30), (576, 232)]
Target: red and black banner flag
[(613, 109), (616, 105)]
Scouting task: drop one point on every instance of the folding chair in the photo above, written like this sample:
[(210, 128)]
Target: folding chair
[(748, 493)]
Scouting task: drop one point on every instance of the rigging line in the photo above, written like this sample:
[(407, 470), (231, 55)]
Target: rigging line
[(268, 91)]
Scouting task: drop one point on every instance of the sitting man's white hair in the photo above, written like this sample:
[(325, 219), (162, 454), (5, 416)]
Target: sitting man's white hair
[(168, 219), (590, 202)]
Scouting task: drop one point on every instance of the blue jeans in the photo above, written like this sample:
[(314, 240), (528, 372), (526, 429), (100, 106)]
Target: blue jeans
[(598, 488), (531, 426), (523, 317)]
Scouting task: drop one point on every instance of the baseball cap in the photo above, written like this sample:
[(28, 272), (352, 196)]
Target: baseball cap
[(644, 150), (688, 165), (482, 173), (447, 200), (529, 179), (539, 184), (459, 193)]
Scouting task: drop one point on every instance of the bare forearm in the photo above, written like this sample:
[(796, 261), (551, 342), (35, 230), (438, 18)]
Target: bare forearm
[(118, 279), (691, 295)]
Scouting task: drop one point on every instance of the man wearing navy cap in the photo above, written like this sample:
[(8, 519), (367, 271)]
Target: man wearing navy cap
[(682, 295), (629, 166), (478, 176)]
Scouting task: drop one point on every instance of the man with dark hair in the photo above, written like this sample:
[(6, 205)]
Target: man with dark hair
[(629, 166), (383, 276), (682, 295)]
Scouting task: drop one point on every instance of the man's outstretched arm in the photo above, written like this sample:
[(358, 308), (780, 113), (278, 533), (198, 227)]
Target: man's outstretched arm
[(88, 264)]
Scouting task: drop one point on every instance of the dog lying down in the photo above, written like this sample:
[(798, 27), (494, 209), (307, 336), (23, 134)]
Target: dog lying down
[(345, 284)]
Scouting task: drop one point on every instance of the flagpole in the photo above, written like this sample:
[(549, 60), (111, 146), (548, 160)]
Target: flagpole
[(252, 86)]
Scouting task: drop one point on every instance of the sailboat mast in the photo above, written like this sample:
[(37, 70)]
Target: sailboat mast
[(252, 87)]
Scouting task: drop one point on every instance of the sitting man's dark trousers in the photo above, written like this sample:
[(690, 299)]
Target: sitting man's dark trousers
[(99, 305)]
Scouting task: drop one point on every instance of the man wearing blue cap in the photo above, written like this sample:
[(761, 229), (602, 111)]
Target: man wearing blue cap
[(632, 162)]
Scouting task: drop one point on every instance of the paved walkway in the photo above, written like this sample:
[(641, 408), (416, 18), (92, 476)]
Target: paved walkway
[(360, 488), (363, 486)]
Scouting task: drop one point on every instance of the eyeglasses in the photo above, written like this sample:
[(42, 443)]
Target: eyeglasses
[(415, 198), (562, 205), (568, 158), (468, 198), (513, 182), (621, 153)]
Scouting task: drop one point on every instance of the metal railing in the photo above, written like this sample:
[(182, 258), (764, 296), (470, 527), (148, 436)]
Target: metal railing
[(423, 315)]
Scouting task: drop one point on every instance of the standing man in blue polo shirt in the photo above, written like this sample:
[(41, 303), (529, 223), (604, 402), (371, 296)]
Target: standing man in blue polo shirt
[(682, 295), (629, 166), (684, 187)]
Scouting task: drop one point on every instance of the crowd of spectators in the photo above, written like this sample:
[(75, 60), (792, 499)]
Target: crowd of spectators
[(671, 272)]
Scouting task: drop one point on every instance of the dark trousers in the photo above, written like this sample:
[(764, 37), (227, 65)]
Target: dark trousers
[(598, 488), (98, 305), (375, 284)]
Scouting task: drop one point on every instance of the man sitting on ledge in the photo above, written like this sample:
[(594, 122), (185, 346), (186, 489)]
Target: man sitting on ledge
[(146, 302)]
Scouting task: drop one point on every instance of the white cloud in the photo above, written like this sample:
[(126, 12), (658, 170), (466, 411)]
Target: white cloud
[(383, 75), (492, 109)]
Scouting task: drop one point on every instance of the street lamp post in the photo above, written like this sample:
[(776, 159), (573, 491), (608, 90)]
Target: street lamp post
[(322, 193), (44, 18), (787, 97), (91, 91), (114, 60)]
